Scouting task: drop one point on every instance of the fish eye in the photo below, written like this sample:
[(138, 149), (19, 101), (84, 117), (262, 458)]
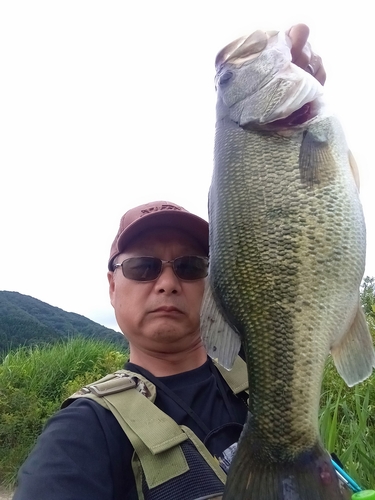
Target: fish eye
[(225, 77)]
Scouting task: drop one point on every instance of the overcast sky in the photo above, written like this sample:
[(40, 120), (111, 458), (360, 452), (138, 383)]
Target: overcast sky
[(106, 105)]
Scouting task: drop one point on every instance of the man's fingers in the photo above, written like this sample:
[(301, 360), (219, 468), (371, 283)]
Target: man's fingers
[(320, 75), (302, 55), (312, 63), (298, 35)]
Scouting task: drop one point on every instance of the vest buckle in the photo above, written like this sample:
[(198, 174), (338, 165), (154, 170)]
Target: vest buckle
[(120, 383)]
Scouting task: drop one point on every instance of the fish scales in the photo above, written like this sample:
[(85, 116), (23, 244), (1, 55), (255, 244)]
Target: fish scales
[(287, 254), (271, 219)]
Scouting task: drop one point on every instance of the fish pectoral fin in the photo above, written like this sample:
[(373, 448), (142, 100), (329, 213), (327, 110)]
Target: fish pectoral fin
[(354, 169), (354, 355), (313, 157), (221, 341)]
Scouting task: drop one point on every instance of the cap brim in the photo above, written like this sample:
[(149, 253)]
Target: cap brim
[(190, 224)]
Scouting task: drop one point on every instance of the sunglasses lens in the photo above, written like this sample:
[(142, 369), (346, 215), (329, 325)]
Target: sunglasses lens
[(187, 268), (141, 268), (191, 267)]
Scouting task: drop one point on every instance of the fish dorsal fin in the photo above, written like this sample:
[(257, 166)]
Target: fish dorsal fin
[(354, 355), (222, 343), (354, 169)]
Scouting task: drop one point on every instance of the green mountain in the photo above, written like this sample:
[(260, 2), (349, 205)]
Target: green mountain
[(25, 320)]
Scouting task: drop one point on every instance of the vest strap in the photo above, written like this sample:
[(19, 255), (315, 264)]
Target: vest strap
[(112, 386), (237, 377), (211, 460), (155, 436)]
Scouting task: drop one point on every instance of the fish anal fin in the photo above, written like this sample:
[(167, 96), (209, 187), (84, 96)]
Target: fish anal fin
[(222, 343), (314, 157), (354, 169), (354, 355)]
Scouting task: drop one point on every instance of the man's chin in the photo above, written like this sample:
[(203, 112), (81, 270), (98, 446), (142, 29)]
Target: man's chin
[(169, 333)]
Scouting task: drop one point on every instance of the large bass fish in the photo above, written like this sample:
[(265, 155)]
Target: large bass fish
[(287, 255)]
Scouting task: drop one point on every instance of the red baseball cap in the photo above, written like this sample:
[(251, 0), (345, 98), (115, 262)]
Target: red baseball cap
[(157, 214)]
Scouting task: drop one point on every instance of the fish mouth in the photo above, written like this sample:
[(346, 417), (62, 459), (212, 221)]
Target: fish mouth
[(299, 117)]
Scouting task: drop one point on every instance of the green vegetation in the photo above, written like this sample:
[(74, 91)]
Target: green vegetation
[(368, 300), (347, 424), (33, 383), (347, 417), (35, 380)]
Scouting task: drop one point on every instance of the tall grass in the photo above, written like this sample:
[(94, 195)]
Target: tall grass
[(33, 383), (347, 424)]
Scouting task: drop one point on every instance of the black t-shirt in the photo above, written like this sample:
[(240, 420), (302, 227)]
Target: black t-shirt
[(84, 454)]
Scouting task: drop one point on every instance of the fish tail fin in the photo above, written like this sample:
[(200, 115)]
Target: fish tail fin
[(354, 355), (309, 476)]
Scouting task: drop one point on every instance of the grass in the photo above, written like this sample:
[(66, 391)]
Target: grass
[(33, 383), (347, 424)]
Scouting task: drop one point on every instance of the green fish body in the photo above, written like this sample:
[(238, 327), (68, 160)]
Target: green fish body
[(287, 255)]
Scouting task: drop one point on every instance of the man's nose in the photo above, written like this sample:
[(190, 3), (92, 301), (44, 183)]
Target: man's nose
[(168, 282)]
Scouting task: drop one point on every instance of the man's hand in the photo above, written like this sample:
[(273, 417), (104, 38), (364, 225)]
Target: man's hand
[(302, 55)]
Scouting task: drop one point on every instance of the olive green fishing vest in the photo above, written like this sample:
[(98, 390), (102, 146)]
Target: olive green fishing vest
[(163, 450)]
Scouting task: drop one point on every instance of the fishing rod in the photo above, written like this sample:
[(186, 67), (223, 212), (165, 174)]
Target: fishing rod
[(358, 494)]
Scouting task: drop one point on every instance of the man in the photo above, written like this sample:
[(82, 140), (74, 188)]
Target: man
[(176, 411)]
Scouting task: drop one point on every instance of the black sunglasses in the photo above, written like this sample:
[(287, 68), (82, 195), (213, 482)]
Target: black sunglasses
[(187, 268)]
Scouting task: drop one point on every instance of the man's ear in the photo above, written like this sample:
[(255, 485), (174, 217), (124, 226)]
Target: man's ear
[(112, 286)]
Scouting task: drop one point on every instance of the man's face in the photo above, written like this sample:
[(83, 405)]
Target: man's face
[(161, 315)]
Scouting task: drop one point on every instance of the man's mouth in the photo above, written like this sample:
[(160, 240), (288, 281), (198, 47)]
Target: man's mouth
[(168, 309)]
